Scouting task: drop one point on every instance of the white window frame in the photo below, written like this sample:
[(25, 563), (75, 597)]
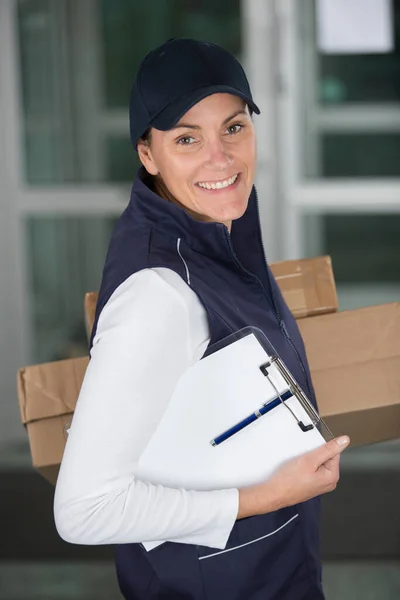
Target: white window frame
[(318, 196)]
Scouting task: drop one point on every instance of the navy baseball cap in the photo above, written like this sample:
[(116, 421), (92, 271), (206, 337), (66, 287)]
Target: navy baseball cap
[(178, 74)]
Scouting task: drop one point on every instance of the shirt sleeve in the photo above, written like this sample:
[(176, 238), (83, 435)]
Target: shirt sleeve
[(147, 335)]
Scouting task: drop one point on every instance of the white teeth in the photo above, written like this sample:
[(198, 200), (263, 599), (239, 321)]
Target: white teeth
[(219, 184)]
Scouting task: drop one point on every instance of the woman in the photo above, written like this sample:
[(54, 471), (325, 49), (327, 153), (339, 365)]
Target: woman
[(185, 268)]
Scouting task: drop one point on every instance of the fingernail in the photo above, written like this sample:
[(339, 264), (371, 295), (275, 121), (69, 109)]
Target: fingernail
[(343, 440)]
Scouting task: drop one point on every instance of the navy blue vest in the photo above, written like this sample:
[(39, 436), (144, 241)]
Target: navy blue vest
[(273, 556)]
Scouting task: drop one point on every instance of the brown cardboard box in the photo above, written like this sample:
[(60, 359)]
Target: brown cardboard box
[(308, 286), (47, 399), (354, 358), (355, 364)]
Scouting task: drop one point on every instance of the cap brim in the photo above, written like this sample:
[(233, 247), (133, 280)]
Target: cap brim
[(170, 116)]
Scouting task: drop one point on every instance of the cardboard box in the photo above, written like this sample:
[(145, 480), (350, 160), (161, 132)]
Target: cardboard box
[(354, 359), (308, 286), (355, 364), (47, 398)]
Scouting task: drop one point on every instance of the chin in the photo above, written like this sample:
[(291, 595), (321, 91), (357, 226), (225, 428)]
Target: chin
[(236, 212)]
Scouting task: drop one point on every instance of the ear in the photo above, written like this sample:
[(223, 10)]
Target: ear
[(146, 157)]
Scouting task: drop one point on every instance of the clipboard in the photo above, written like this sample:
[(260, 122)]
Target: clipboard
[(242, 373)]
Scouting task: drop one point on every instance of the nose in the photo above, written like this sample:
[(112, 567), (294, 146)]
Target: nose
[(218, 157)]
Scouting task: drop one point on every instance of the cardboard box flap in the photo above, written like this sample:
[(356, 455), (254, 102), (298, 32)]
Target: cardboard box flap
[(50, 389)]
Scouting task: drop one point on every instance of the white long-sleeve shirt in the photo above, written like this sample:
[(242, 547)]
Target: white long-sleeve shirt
[(150, 331)]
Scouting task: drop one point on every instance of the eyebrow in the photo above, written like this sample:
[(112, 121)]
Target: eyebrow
[(188, 126)]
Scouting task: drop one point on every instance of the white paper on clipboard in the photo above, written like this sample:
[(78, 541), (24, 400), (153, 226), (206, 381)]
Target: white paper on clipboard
[(213, 395)]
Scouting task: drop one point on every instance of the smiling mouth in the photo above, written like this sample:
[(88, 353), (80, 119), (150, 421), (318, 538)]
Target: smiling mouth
[(218, 185)]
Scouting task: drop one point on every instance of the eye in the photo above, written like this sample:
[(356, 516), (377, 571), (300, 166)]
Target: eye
[(186, 140), (235, 128)]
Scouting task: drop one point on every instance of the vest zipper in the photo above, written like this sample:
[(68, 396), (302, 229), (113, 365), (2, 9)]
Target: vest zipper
[(243, 268), (281, 323), (302, 367)]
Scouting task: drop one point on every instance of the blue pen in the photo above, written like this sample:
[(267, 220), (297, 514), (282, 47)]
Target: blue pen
[(251, 418)]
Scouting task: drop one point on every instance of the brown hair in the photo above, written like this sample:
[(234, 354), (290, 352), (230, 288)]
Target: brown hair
[(146, 137), (156, 182)]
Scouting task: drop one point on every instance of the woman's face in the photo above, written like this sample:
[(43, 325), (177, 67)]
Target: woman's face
[(207, 161)]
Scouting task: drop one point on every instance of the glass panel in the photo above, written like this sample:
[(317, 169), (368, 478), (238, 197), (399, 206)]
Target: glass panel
[(123, 22), (78, 60), (40, 35), (360, 155), (65, 258), (361, 78), (350, 106), (365, 252), (122, 161), (364, 248)]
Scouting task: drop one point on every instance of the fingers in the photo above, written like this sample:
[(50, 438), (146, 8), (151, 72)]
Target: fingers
[(333, 479), (332, 463), (330, 449), (330, 468)]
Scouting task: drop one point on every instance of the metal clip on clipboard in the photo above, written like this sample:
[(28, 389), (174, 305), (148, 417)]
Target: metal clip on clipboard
[(295, 390)]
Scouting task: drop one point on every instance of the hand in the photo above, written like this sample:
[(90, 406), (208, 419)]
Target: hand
[(297, 480)]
